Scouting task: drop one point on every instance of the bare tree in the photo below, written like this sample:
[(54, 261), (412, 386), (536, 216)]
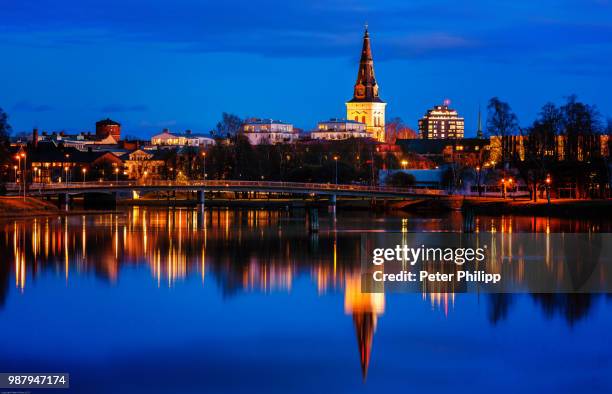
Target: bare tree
[(501, 122), (229, 125)]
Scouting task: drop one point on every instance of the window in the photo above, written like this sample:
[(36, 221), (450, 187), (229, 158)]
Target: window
[(363, 119)]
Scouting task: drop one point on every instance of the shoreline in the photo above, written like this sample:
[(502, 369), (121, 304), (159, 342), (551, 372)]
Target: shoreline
[(557, 207), (16, 207)]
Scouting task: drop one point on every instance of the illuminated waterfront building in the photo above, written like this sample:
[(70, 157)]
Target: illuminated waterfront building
[(168, 138), (340, 129), (269, 132), (366, 106), (441, 122)]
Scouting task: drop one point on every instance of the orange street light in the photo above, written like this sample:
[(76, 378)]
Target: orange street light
[(336, 161), (204, 164)]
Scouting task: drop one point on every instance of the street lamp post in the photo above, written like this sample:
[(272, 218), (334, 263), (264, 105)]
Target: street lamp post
[(478, 181), (84, 170), (336, 161), (19, 165), (503, 187), (116, 175), (404, 164), (510, 180), (67, 168), (204, 165), (548, 181), (25, 174)]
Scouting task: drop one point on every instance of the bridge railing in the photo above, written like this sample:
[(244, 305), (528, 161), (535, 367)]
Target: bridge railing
[(314, 187)]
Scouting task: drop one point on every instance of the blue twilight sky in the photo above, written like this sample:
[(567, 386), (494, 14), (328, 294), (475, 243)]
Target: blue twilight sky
[(152, 64)]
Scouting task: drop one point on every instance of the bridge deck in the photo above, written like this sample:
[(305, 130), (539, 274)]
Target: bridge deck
[(225, 185)]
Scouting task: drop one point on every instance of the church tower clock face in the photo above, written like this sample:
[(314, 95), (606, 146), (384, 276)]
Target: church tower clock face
[(360, 91)]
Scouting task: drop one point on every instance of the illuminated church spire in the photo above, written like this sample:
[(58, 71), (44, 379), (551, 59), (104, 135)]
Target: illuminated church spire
[(366, 88), (366, 106)]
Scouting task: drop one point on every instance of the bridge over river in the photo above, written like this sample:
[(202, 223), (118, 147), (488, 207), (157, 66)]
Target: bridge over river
[(294, 188)]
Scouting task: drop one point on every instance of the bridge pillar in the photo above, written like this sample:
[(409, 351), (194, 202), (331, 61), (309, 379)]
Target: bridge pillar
[(63, 201), (313, 220), (332, 200), (469, 220), (332, 205), (201, 197)]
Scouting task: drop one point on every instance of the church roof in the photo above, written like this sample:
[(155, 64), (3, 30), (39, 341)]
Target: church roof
[(366, 88)]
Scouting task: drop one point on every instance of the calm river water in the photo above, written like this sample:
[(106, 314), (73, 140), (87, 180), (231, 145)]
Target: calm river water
[(171, 301)]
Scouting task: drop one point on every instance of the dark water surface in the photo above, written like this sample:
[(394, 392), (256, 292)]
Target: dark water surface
[(170, 301)]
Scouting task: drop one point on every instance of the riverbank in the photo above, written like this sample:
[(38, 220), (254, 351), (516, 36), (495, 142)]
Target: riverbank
[(15, 207), (557, 207), (19, 207)]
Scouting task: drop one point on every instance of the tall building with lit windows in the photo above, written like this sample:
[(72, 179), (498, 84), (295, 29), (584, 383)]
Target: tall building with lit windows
[(366, 106), (441, 122)]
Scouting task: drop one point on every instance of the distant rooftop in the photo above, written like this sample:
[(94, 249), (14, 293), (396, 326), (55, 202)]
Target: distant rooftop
[(264, 121), (108, 121), (186, 134), (340, 120)]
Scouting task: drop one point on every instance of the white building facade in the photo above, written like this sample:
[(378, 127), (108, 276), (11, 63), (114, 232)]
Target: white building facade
[(340, 129), (167, 138), (269, 132)]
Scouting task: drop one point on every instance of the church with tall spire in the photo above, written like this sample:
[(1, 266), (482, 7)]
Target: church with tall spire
[(366, 105)]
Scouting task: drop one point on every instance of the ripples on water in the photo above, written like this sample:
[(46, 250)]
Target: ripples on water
[(233, 301)]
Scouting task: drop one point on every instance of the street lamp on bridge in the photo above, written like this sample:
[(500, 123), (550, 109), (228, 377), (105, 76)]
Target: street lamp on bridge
[(204, 164), (336, 160)]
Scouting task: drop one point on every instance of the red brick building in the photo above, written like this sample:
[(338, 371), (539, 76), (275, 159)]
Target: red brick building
[(107, 127)]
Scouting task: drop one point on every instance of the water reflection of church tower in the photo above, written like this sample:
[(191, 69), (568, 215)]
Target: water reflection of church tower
[(365, 308)]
